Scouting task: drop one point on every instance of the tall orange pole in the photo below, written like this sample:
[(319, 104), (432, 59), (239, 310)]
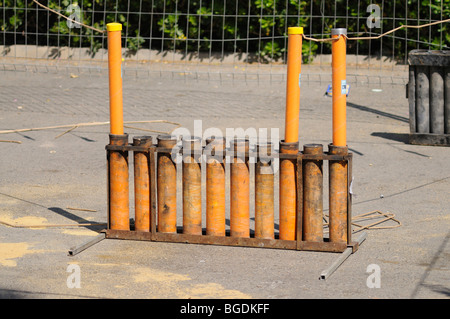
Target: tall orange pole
[(338, 174), (118, 160), (288, 167), (294, 64), (339, 83), (115, 77)]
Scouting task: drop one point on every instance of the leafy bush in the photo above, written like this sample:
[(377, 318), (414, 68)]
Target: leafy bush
[(246, 26)]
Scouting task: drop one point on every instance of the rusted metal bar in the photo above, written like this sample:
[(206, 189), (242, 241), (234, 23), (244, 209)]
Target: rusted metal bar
[(299, 229), (264, 193), (142, 184), (215, 187), (312, 195), (227, 241), (167, 186), (288, 191), (118, 188), (338, 195), (349, 198), (240, 190), (192, 186), (153, 183)]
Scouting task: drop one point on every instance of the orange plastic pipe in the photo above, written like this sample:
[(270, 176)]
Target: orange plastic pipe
[(288, 192), (294, 63), (264, 194), (115, 77), (142, 184), (313, 195), (339, 82), (338, 194), (240, 191), (192, 186), (215, 188), (166, 186), (119, 215)]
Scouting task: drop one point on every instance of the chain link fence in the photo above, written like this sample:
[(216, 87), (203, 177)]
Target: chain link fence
[(219, 40)]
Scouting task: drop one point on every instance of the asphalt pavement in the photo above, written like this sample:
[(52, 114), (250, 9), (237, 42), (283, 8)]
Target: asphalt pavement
[(51, 178)]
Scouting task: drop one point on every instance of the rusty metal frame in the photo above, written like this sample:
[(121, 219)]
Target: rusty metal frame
[(227, 240)]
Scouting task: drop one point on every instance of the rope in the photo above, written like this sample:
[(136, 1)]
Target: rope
[(305, 37), (381, 35), (401, 27), (67, 18)]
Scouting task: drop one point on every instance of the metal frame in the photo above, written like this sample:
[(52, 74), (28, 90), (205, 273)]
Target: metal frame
[(227, 240)]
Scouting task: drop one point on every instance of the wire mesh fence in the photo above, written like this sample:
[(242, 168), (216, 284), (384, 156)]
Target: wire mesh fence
[(223, 40)]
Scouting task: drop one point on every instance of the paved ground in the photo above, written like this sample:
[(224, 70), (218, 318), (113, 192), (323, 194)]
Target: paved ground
[(44, 176)]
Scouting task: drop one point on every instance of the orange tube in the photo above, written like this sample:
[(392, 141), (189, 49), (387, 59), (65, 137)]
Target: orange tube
[(167, 186), (142, 184), (339, 82), (192, 186), (215, 188), (294, 62), (240, 191), (119, 215), (288, 192), (264, 194), (313, 195), (115, 77), (338, 194)]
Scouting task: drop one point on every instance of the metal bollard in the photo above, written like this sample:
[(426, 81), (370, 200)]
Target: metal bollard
[(338, 194), (240, 190), (167, 186), (264, 193), (142, 184), (192, 186), (119, 215), (215, 187), (313, 194)]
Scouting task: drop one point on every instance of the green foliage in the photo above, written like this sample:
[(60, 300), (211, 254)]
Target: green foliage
[(253, 26)]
